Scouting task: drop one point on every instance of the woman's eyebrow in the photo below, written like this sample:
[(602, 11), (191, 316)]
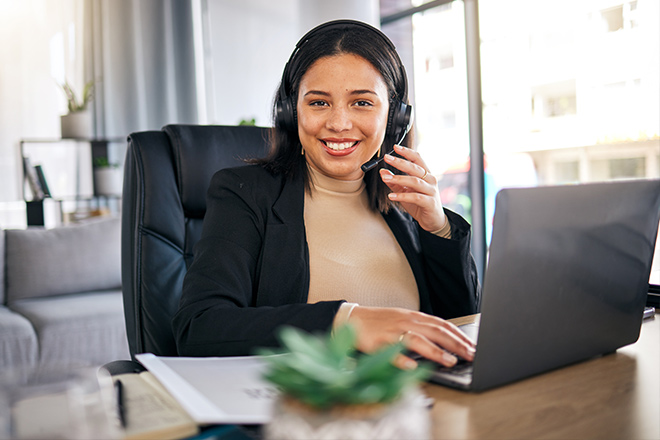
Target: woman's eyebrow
[(317, 92), (354, 92), (363, 92)]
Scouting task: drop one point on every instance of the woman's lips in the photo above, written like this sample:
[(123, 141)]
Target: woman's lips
[(340, 148)]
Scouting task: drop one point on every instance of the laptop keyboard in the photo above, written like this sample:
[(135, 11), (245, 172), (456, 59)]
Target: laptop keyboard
[(461, 368)]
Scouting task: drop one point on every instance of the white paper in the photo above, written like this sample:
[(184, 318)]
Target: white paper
[(216, 389)]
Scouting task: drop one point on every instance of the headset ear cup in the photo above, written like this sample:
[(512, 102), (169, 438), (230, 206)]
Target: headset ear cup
[(286, 115), (389, 131), (399, 120), (406, 119)]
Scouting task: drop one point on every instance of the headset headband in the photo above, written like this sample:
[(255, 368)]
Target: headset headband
[(288, 68)]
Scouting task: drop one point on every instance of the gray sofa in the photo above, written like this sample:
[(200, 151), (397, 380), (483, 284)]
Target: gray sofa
[(61, 301)]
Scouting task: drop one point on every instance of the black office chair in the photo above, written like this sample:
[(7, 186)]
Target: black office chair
[(166, 177)]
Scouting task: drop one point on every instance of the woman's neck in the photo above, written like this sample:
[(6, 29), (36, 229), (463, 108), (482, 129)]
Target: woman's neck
[(321, 181)]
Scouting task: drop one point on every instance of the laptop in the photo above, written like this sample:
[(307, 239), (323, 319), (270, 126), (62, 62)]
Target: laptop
[(567, 279)]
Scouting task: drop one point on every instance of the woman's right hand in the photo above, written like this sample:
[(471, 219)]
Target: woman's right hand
[(429, 336)]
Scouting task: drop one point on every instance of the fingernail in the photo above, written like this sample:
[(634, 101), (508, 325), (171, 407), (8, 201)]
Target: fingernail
[(449, 358), (392, 196), (409, 364), (386, 176)]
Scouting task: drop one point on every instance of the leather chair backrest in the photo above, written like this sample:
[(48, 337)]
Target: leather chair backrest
[(166, 177)]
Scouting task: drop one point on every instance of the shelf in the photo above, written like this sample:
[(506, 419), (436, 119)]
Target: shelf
[(67, 166)]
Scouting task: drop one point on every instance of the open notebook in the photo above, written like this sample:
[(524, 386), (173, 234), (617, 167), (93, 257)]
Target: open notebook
[(216, 389)]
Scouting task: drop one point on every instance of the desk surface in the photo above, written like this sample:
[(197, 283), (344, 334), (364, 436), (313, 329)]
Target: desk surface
[(615, 396)]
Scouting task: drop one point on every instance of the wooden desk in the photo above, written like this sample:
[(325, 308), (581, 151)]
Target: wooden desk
[(615, 396)]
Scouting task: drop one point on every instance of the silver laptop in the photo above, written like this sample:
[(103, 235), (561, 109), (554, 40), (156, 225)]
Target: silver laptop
[(567, 279)]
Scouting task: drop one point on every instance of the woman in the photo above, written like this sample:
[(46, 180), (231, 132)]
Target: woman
[(306, 238)]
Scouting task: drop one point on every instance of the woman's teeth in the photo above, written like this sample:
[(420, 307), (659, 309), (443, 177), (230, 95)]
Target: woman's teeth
[(338, 146)]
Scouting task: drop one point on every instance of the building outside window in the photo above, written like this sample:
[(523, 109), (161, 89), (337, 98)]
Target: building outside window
[(570, 91)]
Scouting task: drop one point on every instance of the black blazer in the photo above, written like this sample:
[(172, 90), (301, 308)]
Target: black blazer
[(250, 273)]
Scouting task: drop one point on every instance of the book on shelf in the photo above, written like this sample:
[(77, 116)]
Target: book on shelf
[(42, 180), (33, 180)]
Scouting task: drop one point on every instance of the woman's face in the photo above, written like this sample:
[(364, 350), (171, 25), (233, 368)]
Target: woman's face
[(342, 115)]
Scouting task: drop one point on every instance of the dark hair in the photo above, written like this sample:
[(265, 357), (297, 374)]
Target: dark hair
[(285, 153)]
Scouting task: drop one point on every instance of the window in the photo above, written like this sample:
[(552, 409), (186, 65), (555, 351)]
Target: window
[(448, 120), (567, 172), (432, 45), (446, 61), (555, 99), (613, 18), (569, 92), (616, 18), (632, 16), (619, 168), (593, 95)]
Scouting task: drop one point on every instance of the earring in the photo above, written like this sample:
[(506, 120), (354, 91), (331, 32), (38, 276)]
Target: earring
[(302, 151), (378, 153)]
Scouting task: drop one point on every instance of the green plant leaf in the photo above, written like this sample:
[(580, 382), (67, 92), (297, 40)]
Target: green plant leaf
[(251, 122), (382, 358), (298, 342), (73, 104), (88, 93), (325, 370), (342, 346)]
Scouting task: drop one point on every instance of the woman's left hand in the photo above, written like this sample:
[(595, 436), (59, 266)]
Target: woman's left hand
[(417, 191)]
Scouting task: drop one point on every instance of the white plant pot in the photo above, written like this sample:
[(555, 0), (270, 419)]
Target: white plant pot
[(406, 418), (108, 181), (77, 125)]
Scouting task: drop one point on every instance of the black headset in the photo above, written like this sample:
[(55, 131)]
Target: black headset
[(399, 119)]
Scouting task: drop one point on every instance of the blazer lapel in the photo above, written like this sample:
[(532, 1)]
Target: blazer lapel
[(284, 277)]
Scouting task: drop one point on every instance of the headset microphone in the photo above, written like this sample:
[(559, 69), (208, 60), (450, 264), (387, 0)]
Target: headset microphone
[(407, 116), (373, 162)]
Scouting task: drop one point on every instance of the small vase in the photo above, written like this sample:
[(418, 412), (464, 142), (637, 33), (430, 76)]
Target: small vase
[(406, 418), (78, 125), (108, 181)]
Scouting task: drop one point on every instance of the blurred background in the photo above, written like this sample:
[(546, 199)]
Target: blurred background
[(506, 92)]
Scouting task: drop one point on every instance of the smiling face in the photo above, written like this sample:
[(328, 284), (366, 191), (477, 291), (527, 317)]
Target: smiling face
[(342, 115)]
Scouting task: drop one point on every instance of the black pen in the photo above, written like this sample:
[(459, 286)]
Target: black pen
[(119, 389)]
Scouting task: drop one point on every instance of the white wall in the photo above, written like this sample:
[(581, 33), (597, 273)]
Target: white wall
[(314, 12), (251, 41), (32, 34)]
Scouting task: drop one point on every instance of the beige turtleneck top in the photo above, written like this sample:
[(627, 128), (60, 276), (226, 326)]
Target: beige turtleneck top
[(353, 254)]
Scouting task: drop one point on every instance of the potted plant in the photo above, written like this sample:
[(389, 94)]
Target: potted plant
[(108, 178), (250, 122), (78, 122), (330, 390)]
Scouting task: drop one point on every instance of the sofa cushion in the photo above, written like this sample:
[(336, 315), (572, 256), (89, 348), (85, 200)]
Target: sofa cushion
[(19, 348), (78, 330), (78, 258)]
